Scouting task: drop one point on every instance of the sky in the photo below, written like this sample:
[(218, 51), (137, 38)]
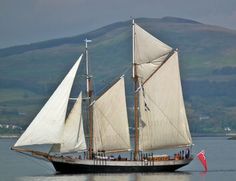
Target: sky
[(27, 21)]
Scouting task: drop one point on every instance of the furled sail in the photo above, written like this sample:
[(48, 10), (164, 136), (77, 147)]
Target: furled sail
[(73, 138), (110, 127), (149, 52), (163, 121), (47, 127)]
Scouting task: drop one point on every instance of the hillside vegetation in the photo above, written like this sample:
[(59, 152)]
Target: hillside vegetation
[(30, 73)]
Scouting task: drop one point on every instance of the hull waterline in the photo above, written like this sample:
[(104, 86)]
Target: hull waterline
[(90, 166)]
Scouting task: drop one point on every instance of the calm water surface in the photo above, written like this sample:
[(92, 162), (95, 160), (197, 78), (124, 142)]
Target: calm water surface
[(220, 154)]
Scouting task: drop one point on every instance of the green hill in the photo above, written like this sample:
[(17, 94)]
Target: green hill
[(29, 73)]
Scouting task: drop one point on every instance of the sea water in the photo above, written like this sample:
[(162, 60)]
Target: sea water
[(220, 153)]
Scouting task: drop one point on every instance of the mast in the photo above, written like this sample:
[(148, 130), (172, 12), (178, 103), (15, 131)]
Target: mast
[(88, 77), (89, 96), (136, 113)]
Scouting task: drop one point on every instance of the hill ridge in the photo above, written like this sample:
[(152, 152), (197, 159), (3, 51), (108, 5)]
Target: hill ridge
[(13, 50)]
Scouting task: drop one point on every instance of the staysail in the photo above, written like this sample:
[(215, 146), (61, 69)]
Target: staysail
[(163, 121), (47, 127), (73, 138), (111, 130)]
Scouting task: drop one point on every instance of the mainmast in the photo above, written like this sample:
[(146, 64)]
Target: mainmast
[(89, 96), (136, 85)]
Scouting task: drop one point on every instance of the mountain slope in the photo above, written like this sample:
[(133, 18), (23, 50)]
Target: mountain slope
[(29, 73)]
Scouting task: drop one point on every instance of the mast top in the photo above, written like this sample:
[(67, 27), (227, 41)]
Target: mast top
[(86, 42)]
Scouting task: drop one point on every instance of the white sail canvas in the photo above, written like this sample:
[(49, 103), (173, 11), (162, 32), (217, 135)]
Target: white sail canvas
[(162, 110), (73, 138), (47, 127), (110, 129), (149, 52)]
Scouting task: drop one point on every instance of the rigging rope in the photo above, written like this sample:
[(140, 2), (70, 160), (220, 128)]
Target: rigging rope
[(108, 81), (33, 159)]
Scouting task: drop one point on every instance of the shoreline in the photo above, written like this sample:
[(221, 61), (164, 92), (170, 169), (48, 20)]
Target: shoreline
[(192, 134), (8, 136)]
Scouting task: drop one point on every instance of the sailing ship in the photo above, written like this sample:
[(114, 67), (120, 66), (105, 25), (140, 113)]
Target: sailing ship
[(160, 120)]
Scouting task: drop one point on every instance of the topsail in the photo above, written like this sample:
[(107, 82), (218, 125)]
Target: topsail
[(149, 52)]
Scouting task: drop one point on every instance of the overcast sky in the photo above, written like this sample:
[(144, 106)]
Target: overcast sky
[(26, 21)]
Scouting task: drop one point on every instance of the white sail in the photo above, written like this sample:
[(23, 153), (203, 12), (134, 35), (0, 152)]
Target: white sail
[(47, 127), (163, 121), (110, 128), (73, 138), (149, 52)]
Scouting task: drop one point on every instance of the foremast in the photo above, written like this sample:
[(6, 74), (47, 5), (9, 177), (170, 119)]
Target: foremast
[(89, 92), (136, 96)]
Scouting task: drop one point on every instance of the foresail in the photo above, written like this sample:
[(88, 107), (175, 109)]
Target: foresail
[(149, 52), (110, 128), (73, 138), (163, 121), (47, 127)]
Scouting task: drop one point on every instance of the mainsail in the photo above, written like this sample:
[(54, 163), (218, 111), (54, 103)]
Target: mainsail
[(47, 127), (163, 121), (73, 138), (111, 130)]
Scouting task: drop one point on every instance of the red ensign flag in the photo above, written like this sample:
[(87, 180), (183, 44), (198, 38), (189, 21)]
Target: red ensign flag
[(201, 156)]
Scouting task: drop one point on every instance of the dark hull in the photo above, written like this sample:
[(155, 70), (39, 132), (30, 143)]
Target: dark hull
[(63, 167)]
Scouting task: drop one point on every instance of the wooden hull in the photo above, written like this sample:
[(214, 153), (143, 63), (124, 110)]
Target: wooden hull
[(91, 166)]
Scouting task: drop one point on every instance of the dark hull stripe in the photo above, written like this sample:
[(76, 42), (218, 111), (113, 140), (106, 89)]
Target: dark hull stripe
[(80, 168)]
